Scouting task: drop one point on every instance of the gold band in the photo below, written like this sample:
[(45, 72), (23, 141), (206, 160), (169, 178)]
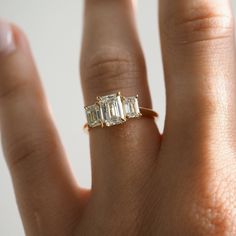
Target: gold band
[(147, 112)]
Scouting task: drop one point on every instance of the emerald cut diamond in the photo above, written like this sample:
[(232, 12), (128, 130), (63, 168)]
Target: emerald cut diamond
[(131, 107), (93, 115), (111, 109)]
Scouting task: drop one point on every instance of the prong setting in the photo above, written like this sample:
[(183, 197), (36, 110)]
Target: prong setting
[(112, 110), (98, 98)]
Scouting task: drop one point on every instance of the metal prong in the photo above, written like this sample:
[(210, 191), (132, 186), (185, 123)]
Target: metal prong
[(98, 98), (118, 94), (86, 128)]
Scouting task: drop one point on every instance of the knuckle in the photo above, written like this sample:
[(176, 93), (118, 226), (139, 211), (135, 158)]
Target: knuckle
[(112, 69), (9, 90), (30, 152), (15, 79), (202, 23)]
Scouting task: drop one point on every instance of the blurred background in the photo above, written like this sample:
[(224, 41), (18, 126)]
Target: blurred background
[(54, 29)]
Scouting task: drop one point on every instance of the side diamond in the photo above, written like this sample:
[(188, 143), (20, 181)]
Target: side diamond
[(93, 115), (131, 107)]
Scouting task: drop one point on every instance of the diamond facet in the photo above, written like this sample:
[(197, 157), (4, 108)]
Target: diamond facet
[(93, 115), (112, 109), (131, 107)]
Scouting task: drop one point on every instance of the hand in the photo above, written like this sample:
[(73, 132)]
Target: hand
[(143, 183)]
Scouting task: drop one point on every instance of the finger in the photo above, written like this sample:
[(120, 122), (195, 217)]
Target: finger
[(199, 60), (112, 61), (44, 187), (199, 141)]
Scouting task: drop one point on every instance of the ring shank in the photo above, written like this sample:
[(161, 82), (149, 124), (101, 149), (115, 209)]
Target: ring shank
[(147, 112)]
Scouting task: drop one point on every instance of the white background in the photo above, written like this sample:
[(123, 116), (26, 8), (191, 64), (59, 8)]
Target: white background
[(54, 29)]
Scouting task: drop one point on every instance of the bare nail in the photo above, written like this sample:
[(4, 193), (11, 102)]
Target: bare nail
[(7, 44)]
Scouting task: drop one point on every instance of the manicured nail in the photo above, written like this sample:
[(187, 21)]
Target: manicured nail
[(7, 44)]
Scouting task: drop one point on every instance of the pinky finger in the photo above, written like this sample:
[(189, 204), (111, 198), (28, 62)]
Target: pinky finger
[(45, 189)]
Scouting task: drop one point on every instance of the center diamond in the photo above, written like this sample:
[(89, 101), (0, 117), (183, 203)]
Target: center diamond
[(112, 109)]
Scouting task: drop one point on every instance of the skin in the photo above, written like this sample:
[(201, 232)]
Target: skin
[(181, 182)]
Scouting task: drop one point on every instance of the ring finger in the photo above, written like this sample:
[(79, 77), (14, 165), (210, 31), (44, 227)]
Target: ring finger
[(112, 61)]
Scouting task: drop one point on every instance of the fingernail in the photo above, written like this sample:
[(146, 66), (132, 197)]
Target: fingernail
[(7, 44)]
